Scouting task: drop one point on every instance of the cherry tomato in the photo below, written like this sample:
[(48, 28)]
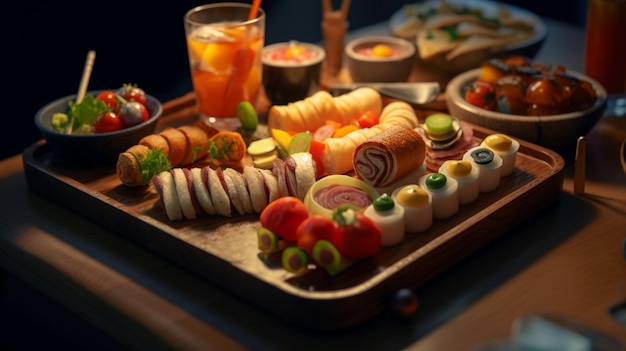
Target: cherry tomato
[(368, 119), (481, 94), (313, 229), (359, 236), (510, 94), (283, 216), (110, 99), (108, 122), (545, 98), (133, 113), (132, 93)]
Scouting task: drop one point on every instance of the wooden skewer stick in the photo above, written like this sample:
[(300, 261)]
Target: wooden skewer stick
[(334, 27), (579, 166), (84, 81)]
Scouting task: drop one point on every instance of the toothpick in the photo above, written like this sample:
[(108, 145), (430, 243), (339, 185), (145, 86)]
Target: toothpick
[(84, 81), (579, 166)]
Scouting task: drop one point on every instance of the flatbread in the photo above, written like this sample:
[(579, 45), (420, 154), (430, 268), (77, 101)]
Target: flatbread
[(476, 43), (433, 42)]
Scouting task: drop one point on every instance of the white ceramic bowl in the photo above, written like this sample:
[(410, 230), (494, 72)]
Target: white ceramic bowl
[(396, 68), (557, 132), (93, 149)]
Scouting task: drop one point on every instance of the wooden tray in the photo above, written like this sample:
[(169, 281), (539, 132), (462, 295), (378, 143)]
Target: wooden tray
[(224, 250)]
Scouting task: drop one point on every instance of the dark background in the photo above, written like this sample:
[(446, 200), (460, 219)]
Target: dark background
[(44, 45)]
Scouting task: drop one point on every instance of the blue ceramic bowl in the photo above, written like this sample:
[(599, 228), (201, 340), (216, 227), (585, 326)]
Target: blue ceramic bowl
[(102, 148)]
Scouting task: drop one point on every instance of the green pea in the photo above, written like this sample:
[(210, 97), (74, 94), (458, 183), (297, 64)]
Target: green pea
[(383, 203), (436, 180)]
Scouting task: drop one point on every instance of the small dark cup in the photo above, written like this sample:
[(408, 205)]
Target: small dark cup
[(287, 81)]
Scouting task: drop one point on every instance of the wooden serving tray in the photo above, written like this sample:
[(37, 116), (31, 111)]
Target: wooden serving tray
[(224, 250)]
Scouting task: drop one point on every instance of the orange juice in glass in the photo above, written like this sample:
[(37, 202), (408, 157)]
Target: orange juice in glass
[(224, 50)]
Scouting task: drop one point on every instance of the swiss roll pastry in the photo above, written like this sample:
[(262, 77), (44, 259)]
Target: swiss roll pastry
[(389, 156)]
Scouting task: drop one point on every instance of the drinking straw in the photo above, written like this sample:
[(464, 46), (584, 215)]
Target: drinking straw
[(254, 10), (243, 61), (84, 81)]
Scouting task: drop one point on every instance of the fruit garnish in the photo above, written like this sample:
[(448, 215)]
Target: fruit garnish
[(438, 124), (300, 142), (382, 50), (247, 115), (295, 260), (268, 242), (293, 52)]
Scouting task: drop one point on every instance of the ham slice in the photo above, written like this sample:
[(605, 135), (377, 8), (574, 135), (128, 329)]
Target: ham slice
[(389, 156)]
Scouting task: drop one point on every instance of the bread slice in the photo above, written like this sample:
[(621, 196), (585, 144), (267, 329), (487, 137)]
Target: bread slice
[(183, 192), (256, 188), (170, 197), (219, 196), (271, 183), (202, 191)]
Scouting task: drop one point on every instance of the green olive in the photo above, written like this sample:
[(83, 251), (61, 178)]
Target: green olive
[(436, 180), (247, 115), (383, 203)]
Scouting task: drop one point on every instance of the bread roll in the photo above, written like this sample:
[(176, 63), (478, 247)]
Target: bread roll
[(389, 156), (128, 165), (177, 144), (156, 142), (197, 143)]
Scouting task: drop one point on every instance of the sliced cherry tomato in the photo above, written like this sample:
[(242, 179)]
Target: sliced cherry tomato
[(110, 99), (481, 94), (359, 236), (131, 92), (133, 113), (368, 119), (108, 122), (313, 229), (324, 132)]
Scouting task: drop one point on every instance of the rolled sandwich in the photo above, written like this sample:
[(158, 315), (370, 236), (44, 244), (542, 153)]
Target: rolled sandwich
[(389, 156)]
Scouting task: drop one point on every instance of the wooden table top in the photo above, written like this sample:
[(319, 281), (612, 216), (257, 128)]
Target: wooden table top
[(568, 261)]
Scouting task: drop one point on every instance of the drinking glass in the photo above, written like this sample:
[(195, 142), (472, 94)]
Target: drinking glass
[(605, 47), (224, 49)]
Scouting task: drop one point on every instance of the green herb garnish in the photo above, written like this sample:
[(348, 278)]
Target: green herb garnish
[(83, 115), (152, 164)]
